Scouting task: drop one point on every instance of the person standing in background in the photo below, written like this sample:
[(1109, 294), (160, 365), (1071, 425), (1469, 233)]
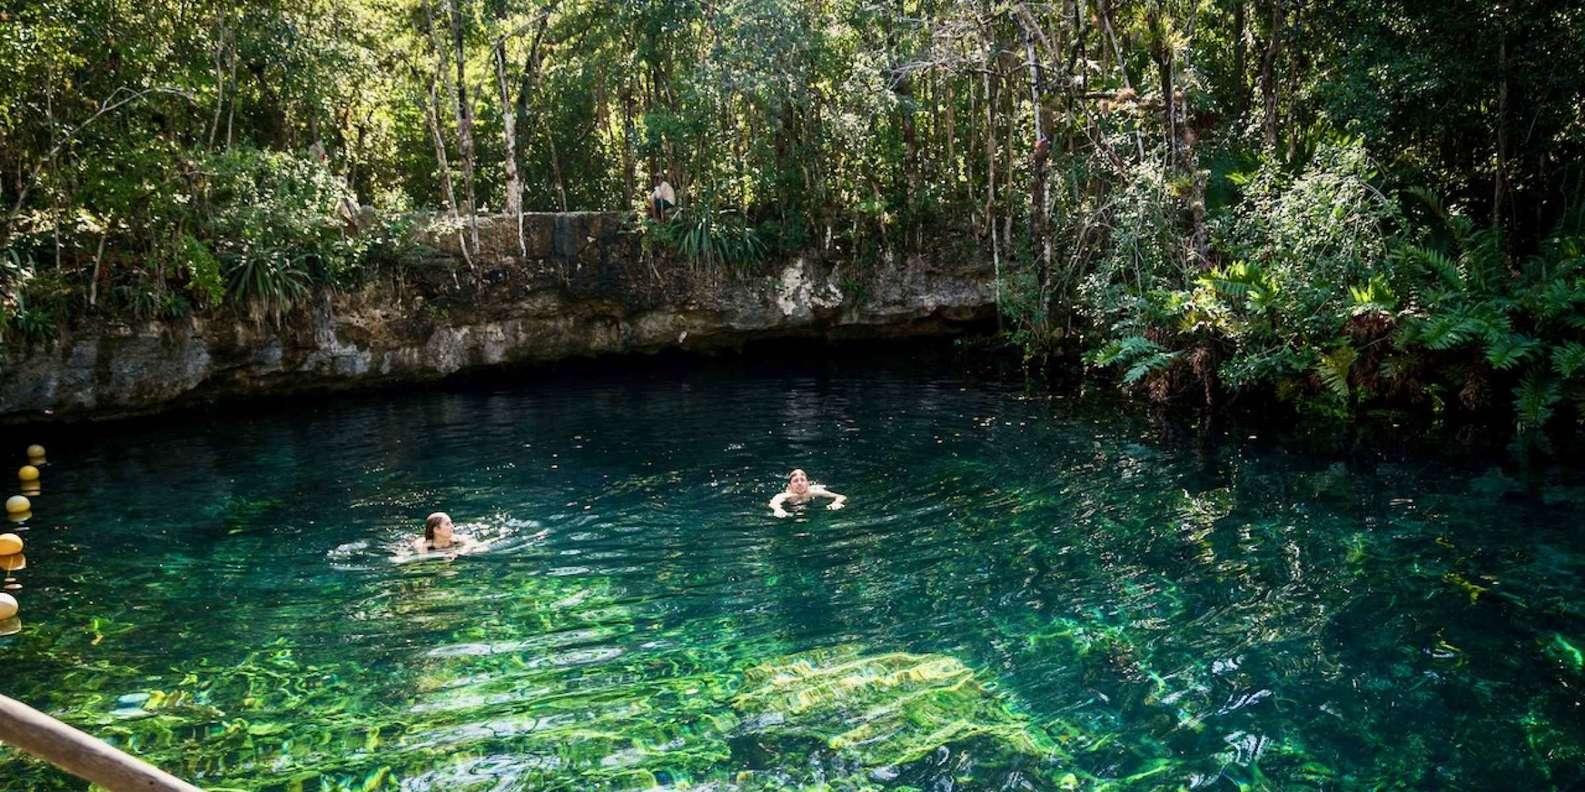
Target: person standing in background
[(661, 199)]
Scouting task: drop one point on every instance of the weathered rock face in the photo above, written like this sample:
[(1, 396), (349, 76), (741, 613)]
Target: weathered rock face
[(584, 288)]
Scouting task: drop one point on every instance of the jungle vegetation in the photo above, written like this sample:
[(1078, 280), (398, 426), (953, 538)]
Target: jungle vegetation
[(1334, 202)]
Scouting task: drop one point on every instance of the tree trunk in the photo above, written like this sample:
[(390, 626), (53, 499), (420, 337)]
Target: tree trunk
[(1500, 188), (629, 160), (555, 160), (1007, 159), (1240, 59), (448, 193), (990, 145), (1039, 154), (459, 95), (1103, 9), (514, 187), (1268, 75), (221, 36), (1161, 53)]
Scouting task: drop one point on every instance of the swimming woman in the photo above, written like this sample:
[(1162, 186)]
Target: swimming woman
[(439, 538), (799, 490)]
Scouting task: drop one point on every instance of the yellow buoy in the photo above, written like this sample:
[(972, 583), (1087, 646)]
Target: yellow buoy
[(10, 626), (20, 517), (10, 544), (12, 563), (35, 452), (8, 606), (31, 489), (28, 473), (16, 504)]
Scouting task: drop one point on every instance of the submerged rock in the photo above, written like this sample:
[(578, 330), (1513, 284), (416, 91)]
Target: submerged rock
[(883, 709)]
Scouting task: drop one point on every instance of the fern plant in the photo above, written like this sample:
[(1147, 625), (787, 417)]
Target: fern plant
[(1334, 368), (1138, 354), (1528, 323)]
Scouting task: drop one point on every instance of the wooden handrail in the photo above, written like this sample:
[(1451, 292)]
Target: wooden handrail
[(81, 754)]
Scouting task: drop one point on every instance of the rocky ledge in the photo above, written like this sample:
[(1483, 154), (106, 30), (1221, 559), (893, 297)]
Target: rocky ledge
[(578, 285)]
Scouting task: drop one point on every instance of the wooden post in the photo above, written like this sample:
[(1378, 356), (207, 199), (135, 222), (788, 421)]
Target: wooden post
[(81, 754)]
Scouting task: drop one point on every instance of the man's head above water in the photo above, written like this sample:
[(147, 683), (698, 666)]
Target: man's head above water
[(800, 490), (798, 482)]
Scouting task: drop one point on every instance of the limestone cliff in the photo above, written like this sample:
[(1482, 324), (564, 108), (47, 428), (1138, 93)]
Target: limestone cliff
[(586, 287)]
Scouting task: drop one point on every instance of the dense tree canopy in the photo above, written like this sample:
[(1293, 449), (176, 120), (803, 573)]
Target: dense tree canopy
[(1136, 168)]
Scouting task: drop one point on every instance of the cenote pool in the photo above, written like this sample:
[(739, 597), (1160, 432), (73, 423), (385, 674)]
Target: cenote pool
[(1024, 592)]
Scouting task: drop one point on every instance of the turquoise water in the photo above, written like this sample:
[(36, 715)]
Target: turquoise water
[(1023, 593)]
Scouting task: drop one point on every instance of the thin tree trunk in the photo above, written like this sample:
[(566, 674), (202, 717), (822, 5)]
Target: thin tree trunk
[(1104, 11), (1007, 160), (459, 102), (529, 84), (951, 133), (220, 79), (1039, 154), (448, 193), (629, 160), (990, 148), (514, 187), (1240, 59), (93, 280), (231, 111), (555, 160), (1500, 188), (1268, 75), (1161, 53), (464, 123)]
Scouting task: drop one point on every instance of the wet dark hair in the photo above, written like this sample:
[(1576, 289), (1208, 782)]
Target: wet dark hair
[(432, 523)]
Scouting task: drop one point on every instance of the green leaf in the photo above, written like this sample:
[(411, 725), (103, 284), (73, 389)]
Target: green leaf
[(1434, 261), (1124, 350), (1145, 365), (1568, 359), (1333, 369), (1507, 351), (1534, 398), (1375, 295), (1445, 331)]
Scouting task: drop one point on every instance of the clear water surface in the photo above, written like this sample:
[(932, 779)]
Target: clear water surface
[(1024, 593)]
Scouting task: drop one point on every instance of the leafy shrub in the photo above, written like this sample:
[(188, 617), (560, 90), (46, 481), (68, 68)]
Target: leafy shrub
[(203, 270), (1293, 247), (276, 229), (1329, 297)]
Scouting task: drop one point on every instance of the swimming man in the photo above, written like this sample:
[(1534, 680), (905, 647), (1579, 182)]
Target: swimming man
[(799, 490)]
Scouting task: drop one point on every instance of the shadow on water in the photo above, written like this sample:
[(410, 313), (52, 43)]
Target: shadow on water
[(1030, 589)]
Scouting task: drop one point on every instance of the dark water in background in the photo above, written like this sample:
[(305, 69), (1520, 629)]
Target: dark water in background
[(1024, 593)]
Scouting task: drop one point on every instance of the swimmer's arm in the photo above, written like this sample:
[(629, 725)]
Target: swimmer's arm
[(837, 500), (775, 504), (420, 545)]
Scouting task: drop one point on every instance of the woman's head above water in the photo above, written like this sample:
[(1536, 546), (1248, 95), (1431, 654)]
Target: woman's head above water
[(437, 528)]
